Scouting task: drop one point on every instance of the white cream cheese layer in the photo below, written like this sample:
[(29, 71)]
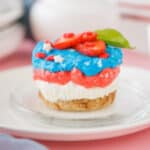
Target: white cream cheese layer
[(54, 92)]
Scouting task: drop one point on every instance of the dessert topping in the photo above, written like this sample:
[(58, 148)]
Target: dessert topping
[(50, 58), (104, 55), (47, 45), (58, 58), (68, 40), (113, 37), (40, 55), (93, 48), (88, 36)]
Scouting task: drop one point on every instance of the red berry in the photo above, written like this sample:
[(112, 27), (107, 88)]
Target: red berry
[(104, 55), (94, 48), (89, 44), (68, 40), (88, 36), (40, 55), (50, 58), (68, 35)]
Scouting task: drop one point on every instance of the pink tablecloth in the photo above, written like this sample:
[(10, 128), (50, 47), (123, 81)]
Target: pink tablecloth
[(137, 141)]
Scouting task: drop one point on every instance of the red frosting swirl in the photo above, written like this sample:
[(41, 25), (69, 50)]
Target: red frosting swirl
[(102, 79)]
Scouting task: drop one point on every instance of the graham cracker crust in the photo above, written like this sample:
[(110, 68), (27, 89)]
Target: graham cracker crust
[(81, 104)]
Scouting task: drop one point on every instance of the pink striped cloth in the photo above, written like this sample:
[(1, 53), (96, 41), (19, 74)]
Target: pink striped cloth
[(135, 10)]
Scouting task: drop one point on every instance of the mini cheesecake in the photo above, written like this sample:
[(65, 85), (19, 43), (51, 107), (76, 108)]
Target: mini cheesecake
[(77, 72)]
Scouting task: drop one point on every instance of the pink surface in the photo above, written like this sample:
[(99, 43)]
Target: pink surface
[(137, 141)]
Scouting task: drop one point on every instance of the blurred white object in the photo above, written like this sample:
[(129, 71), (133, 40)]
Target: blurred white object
[(10, 11), (11, 33), (136, 2), (50, 18), (10, 39)]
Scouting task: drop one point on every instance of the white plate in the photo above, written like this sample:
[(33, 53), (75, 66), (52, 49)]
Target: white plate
[(27, 124)]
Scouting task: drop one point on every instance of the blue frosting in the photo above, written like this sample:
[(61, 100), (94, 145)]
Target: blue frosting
[(73, 59)]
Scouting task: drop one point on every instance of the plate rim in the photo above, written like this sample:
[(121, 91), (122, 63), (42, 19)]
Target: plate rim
[(80, 130)]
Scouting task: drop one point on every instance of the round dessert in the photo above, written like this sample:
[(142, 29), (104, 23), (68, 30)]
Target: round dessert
[(77, 72)]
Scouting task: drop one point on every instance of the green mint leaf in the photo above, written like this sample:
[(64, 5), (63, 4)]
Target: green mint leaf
[(113, 37)]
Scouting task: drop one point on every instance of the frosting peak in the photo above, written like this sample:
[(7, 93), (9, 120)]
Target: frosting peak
[(89, 66)]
